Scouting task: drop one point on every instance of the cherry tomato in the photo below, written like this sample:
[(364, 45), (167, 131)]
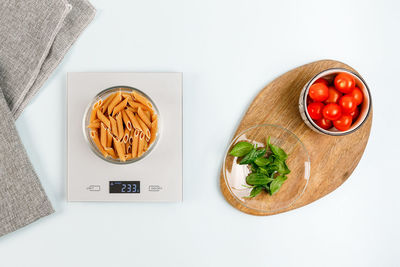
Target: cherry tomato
[(324, 123), (318, 92), (322, 80), (332, 111), (344, 82), (315, 110), (343, 123), (355, 114), (309, 100), (348, 104), (357, 95), (334, 95)]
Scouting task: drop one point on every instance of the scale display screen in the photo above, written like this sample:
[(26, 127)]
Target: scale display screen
[(124, 187)]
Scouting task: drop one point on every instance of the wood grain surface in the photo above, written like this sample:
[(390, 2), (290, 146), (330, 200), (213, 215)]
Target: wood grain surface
[(333, 159)]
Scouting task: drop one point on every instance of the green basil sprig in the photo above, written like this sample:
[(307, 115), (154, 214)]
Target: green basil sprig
[(267, 172)]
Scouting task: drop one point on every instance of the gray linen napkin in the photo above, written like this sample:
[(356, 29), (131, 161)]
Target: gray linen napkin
[(34, 37)]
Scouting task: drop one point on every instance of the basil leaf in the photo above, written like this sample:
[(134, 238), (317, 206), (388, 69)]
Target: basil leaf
[(279, 152), (258, 179), (276, 184), (252, 155), (241, 149), (255, 191), (253, 167), (261, 161), (281, 166)]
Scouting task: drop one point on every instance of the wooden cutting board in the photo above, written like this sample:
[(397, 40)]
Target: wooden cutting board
[(333, 159)]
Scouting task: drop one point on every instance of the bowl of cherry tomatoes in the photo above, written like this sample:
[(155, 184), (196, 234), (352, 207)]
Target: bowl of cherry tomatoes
[(335, 102)]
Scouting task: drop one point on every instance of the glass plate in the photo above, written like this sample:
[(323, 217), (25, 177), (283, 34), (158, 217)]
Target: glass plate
[(298, 162)]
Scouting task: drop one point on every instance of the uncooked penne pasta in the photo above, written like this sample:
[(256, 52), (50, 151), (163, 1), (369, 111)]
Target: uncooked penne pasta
[(103, 135), (93, 115), (109, 138), (126, 120), (153, 132), (123, 125), (143, 126), (107, 102), (136, 105), (133, 119), (103, 118), (110, 151), (95, 137), (141, 144), (94, 124), (114, 102), (143, 116), (125, 139), (135, 144), (120, 106), (120, 148), (120, 126), (98, 104), (141, 99), (114, 127)]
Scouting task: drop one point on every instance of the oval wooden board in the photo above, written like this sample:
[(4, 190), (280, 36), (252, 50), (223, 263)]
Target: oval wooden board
[(333, 159)]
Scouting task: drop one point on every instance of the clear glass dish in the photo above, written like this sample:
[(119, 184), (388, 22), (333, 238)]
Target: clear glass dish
[(298, 162), (86, 120)]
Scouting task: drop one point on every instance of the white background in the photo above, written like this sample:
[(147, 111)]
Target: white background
[(228, 51)]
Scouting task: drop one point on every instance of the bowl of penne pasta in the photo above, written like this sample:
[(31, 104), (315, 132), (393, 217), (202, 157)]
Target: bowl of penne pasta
[(121, 124)]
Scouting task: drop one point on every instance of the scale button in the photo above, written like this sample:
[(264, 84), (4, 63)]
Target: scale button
[(93, 187), (155, 188)]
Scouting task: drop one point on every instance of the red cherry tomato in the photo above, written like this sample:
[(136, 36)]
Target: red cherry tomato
[(357, 95), (315, 110), (318, 92), (344, 82), (334, 95), (332, 111), (348, 104), (324, 123), (343, 123), (322, 80), (355, 114)]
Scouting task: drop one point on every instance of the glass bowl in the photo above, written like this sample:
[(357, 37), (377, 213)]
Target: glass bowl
[(86, 120), (298, 162)]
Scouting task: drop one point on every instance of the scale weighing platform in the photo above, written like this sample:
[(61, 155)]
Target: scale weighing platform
[(156, 177)]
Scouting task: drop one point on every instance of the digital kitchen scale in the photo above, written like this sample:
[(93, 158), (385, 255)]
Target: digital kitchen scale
[(156, 177)]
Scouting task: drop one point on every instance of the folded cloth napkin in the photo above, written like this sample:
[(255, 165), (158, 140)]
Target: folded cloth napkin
[(34, 37)]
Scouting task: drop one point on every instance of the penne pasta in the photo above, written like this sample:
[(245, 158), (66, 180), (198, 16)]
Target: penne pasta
[(143, 126), (153, 132), (136, 105), (107, 102), (103, 135), (120, 106), (94, 124), (109, 138), (114, 102), (120, 126), (93, 115), (103, 118), (114, 127), (142, 115), (141, 99), (95, 137), (135, 144), (120, 149), (110, 151), (123, 126), (125, 139), (133, 119), (126, 120), (141, 144)]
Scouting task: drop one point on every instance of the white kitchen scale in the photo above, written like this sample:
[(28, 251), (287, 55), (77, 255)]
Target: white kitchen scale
[(156, 177)]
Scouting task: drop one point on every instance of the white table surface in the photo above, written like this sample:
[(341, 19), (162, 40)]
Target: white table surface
[(227, 50)]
